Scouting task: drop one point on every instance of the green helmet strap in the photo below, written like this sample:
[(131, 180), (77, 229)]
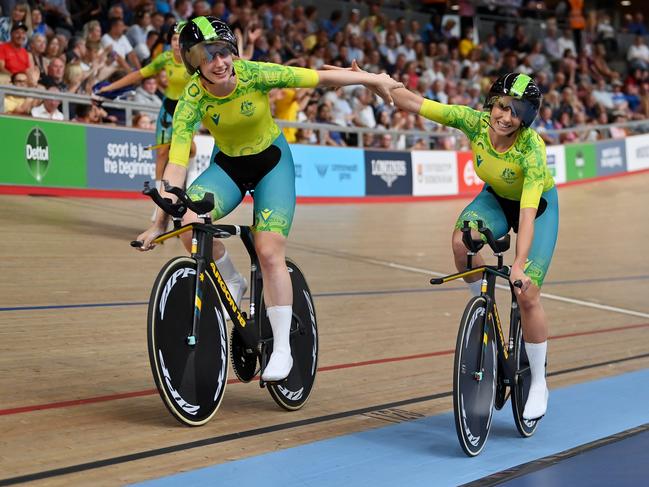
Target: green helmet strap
[(520, 85), (209, 34)]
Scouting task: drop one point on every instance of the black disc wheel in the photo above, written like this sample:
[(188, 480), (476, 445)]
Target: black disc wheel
[(190, 371), (293, 392), (521, 389), (474, 388)]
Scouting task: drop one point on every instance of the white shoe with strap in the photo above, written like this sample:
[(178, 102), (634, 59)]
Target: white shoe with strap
[(281, 360), (537, 403)]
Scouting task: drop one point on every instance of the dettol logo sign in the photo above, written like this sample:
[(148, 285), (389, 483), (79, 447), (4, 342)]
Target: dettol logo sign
[(37, 153)]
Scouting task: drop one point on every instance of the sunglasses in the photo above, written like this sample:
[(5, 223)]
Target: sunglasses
[(515, 107), (217, 49)]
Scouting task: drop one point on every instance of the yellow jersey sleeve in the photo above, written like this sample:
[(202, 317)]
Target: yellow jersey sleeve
[(272, 75), (187, 119), (155, 66), (535, 174), (457, 116)]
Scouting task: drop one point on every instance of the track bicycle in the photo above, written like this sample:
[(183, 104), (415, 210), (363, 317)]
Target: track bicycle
[(186, 329), (487, 369)]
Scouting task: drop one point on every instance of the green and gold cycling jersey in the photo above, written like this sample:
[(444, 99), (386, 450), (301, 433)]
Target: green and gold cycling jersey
[(177, 75), (241, 123), (520, 173)]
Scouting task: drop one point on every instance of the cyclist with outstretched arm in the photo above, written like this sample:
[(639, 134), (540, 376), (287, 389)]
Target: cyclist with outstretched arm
[(229, 96)]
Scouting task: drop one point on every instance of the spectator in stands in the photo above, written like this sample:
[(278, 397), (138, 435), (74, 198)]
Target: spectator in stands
[(55, 74), (91, 114), (353, 23), (121, 48), (14, 58), (363, 115), (74, 79), (503, 40), (137, 34), (637, 25), (385, 142), (432, 32), (407, 48), (328, 137), (603, 95), (19, 15), (37, 45), (146, 94), (544, 123), (53, 50), (600, 67), (538, 61), (520, 41), (38, 25), (606, 33), (18, 105), (355, 51), (58, 16), (638, 54), (332, 25), (143, 121), (566, 42), (49, 109), (92, 34)]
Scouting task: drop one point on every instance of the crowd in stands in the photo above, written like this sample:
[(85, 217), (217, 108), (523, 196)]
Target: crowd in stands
[(70, 45)]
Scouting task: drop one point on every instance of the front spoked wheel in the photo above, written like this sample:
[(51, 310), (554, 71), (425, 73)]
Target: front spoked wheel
[(521, 388), (474, 388), (293, 392), (190, 377)]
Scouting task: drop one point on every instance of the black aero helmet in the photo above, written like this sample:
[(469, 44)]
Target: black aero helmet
[(199, 33), (526, 96)]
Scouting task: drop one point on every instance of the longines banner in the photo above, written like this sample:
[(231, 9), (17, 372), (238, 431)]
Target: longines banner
[(42, 153), (388, 173)]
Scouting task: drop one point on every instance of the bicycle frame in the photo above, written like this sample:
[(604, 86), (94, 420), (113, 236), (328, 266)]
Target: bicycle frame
[(488, 289), (202, 239)]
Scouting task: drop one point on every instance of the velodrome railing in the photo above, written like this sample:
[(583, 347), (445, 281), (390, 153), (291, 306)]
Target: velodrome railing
[(131, 108)]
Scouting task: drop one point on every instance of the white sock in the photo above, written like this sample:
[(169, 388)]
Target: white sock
[(280, 321), (536, 356), (280, 362), (226, 267), (475, 287)]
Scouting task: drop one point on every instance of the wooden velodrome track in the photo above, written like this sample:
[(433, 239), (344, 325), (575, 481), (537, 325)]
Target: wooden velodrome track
[(78, 404)]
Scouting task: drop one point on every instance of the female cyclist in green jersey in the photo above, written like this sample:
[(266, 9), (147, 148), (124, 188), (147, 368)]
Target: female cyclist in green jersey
[(518, 194), (229, 96), (171, 62)]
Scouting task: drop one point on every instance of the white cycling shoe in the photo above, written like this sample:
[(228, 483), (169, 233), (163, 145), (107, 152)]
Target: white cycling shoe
[(537, 403), (238, 287), (280, 362), (279, 366)]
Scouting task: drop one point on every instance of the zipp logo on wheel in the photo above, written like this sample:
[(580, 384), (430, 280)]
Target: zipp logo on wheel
[(179, 274)]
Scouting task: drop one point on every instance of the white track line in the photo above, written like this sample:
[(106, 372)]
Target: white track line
[(579, 302)]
